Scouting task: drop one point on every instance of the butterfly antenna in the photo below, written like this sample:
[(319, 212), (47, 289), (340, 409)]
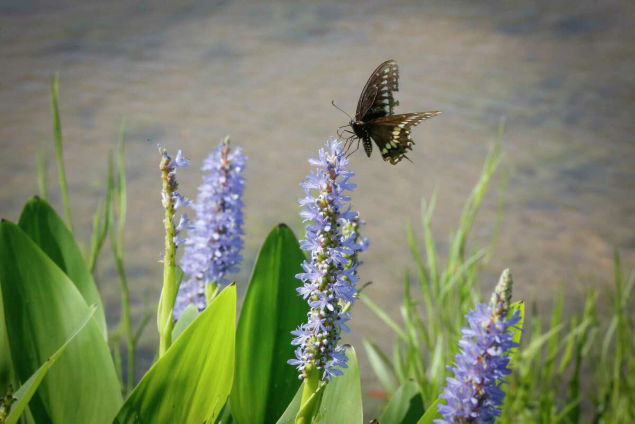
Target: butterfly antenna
[(408, 159), (340, 109)]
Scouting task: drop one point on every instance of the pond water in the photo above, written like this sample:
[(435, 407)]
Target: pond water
[(561, 74)]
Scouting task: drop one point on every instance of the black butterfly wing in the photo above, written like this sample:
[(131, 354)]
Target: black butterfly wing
[(377, 98), (392, 133)]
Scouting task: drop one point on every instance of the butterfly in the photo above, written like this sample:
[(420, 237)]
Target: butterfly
[(375, 118)]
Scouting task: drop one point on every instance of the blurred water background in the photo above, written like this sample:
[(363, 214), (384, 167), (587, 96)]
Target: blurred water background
[(184, 74)]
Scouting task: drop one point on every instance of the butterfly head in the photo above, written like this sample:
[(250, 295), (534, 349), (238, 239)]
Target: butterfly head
[(358, 128)]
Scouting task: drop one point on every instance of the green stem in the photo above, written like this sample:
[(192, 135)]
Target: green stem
[(126, 327), (169, 291), (309, 404), (170, 283), (57, 133)]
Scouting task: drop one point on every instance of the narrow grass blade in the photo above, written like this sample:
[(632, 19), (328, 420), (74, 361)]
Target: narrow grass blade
[(431, 413), (59, 154), (381, 365), (405, 407)]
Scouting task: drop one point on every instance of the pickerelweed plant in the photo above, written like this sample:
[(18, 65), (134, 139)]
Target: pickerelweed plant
[(171, 200), (56, 348), (473, 394), (332, 241), (215, 238)]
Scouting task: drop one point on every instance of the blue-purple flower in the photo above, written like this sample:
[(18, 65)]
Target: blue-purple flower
[(214, 241), (474, 395), (330, 275)]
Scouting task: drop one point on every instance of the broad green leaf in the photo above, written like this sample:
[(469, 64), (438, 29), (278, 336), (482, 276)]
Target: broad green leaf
[(225, 416), (288, 417), (44, 308), (189, 314), (431, 414), (191, 381), (24, 394), (264, 382), (40, 222), (6, 367), (342, 399), (405, 407)]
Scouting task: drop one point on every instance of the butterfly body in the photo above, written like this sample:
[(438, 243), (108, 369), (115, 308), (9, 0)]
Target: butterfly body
[(375, 119), (361, 132)]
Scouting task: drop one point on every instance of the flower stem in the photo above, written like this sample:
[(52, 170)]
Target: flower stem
[(171, 278), (170, 285), (309, 405)]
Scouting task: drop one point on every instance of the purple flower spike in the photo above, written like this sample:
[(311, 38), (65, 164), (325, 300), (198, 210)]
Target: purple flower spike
[(333, 242), (474, 395), (214, 241)]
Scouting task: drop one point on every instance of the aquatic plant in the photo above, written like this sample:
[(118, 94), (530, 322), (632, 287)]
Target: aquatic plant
[(329, 276), (215, 238), (55, 348), (473, 394), (171, 200)]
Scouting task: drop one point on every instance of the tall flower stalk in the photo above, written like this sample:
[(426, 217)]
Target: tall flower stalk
[(215, 239), (171, 200), (330, 275), (474, 395)]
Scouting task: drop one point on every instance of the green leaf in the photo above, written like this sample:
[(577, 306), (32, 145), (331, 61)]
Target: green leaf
[(189, 314), (405, 407), (191, 381), (290, 414), (264, 382), (43, 308), (517, 330), (6, 367), (381, 365), (225, 416), (431, 414), (172, 277), (57, 136), (288, 417), (40, 222), (342, 398), (24, 394)]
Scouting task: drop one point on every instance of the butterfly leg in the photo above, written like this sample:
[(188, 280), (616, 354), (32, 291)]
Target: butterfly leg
[(347, 141), (405, 157), (340, 133), (356, 148), (346, 146)]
